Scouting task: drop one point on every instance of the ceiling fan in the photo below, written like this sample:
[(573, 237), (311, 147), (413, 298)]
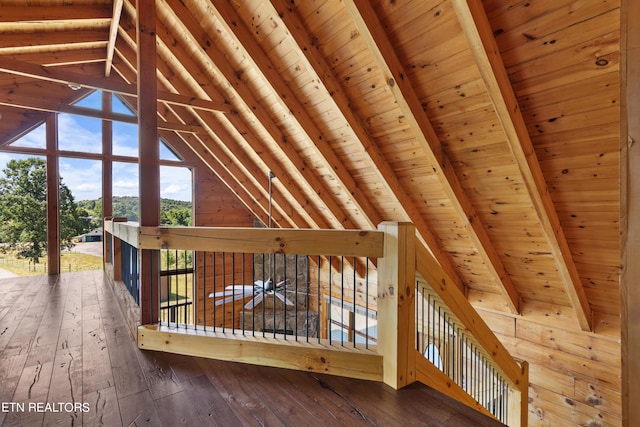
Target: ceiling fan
[(259, 290)]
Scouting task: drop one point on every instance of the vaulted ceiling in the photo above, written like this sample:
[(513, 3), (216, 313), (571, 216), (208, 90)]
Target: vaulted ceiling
[(492, 126)]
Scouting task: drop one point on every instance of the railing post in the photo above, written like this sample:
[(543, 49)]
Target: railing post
[(117, 259), (519, 400), (116, 248), (396, 303)]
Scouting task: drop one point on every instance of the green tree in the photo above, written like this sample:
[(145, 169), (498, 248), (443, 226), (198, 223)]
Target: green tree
[(23, 218), (180, 216)]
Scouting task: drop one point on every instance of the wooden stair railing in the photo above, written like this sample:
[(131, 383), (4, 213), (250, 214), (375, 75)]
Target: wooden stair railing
[(462, 312), (394, 360)]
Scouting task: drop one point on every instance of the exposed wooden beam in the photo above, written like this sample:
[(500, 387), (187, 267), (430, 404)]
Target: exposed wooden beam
[(373, 33), (279, 155), (43, 104), (477, 29), (228, 157), (113, 35), (39, 13), (53, 196), (49, 39), (107, 164), (101, 83), (317, 141), (371, 152), (59, 55), (149, 155)]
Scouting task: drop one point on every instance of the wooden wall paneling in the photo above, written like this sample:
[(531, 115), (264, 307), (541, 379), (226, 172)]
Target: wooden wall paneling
[(215, 205), (630, 211)]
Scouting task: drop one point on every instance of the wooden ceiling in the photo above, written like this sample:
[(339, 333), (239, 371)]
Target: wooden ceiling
[(492, 126)]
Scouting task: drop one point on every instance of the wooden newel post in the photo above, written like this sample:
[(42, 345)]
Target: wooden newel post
[(396, 303), (149, 154)]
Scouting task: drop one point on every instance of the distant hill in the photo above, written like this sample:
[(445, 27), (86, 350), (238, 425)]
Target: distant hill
[(172, 212)]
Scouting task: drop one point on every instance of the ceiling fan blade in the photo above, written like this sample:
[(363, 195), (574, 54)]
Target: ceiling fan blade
[(243, 291), (227, 299), (257, 299), (283, 299)]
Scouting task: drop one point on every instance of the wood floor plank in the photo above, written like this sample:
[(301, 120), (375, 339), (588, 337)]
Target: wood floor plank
[(176, 409), (66, 379), (22, 308), (211, 407), (97, 373), (270, 388), (139, 410), (34, 382), (158, 373), (247, 406), (26, 417), (104, 409), (326, 405), (66, 340)]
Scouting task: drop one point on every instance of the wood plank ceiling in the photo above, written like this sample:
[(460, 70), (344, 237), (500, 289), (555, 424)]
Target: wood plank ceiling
[(492, 126)]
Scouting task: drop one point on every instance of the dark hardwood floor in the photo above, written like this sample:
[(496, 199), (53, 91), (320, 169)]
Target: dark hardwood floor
[(64, 340)]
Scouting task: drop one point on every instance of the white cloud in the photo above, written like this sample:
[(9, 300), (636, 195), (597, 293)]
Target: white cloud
[(75, 136), (175, 183), (36, 138)]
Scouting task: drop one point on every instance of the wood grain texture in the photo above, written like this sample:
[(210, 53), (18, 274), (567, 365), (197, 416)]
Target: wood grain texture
[(152, 388)]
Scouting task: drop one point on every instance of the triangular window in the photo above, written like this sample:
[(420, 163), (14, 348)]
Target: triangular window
[(119, 107), (37, 138), (167, 153), (93, 101)]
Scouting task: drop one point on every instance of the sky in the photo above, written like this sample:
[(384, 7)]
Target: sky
[(84, 177)]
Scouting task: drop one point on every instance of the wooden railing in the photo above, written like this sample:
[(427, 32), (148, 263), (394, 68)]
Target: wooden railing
[(460, 311), (345, 265)]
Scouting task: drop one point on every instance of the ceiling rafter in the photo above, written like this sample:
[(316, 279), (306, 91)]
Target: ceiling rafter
[(39, 13), (109, 85), (113, 35), (370, 150), (372, 31), (317, 141), (72, 54), (316, 191), (478, 31), (218, 157), (232, 178), (46, 41), (231, 155), (31, 103), (285, 181)]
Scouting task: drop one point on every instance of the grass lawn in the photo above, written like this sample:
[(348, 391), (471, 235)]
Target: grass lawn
[(69, 261)]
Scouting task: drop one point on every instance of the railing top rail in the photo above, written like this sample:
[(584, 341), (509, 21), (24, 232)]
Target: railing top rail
[(355, 243), (455, 301), (123, 230)]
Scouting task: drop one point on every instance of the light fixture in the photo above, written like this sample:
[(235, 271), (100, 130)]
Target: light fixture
[(271, 175), (74, 86)]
